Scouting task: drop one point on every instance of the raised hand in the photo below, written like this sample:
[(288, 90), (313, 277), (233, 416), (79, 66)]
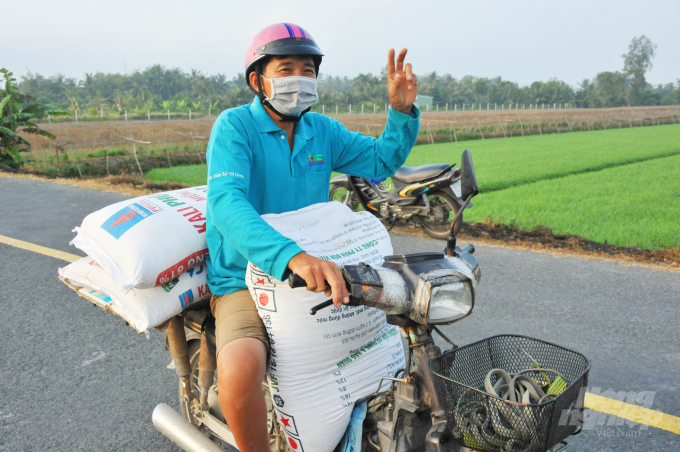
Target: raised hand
[(402, 85)]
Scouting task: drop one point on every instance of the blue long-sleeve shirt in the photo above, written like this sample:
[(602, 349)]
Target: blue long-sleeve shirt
[(252, 172)]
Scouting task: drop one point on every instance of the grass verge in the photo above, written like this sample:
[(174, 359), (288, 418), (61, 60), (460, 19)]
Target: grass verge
[(190, 175)]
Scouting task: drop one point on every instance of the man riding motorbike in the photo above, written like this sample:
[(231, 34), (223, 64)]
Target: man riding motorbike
[(273, 157)]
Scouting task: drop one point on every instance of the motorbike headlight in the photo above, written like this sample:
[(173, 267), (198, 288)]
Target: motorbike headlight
[(450, 302)]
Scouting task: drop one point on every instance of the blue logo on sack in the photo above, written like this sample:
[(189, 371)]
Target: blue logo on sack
[(121, 221), (186, 298)]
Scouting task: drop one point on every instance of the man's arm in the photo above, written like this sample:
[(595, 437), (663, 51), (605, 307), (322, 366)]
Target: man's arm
[(359, 155), (364, 156)]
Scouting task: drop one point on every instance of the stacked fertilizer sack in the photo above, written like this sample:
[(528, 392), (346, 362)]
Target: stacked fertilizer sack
[(146, 256), (321, 365)]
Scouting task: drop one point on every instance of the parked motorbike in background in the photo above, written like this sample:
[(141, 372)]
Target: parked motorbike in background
[(425, 196)]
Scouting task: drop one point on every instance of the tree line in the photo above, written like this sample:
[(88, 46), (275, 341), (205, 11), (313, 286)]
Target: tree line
[(158, 88)]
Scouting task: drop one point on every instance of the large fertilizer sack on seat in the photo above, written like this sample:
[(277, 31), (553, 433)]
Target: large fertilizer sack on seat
[(150, 240), (321, 365), (141, 308)]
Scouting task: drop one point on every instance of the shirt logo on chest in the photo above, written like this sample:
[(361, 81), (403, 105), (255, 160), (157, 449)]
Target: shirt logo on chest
[(315, 159)]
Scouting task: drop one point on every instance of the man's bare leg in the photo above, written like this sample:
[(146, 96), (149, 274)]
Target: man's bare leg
[(241, 365)]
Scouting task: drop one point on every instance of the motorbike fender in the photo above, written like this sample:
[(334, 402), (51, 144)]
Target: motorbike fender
[(343, 181), (455, 198)]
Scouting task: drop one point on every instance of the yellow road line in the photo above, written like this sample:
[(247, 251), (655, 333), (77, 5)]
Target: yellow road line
[(39, 249), (633, 413)]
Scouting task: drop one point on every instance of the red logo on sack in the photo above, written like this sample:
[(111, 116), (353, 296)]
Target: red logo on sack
[(124, 218), (173, 272), (288, 424), (264, 299)]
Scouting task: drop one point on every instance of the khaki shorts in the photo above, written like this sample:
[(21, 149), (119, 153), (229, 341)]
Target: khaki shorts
[(236, 317)]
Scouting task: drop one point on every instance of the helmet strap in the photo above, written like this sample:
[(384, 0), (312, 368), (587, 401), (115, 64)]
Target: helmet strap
[(263, 99)]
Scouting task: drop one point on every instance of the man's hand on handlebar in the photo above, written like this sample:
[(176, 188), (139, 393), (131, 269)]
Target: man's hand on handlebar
[(320, 276)]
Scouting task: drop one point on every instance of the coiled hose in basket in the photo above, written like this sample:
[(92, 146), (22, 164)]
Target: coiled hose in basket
[(492, 424)]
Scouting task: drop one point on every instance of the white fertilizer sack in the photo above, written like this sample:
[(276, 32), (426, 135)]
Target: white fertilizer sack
[(141, 308), (321, 365), (150, 240)]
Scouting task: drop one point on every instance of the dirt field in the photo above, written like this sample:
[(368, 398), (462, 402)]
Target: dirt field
[(101, 148)]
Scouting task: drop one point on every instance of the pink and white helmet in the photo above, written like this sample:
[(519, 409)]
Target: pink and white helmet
[(281, 39)]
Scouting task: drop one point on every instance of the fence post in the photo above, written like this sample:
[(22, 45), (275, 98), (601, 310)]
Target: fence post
[(168, 114), (209, 111), (148, 114), (350, 109), (455, 107), (134, 151), (374, 108), (336, 109), (362, 109), (437, 107), (125, 115), (76, 112), (323, 109), (49, 119), (167, 154), (190, 114), (447, 107)]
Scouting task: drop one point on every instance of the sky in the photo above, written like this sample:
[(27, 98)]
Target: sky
[(522, 40)]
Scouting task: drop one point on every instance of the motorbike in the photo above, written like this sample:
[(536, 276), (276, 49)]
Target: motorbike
[(408, 412), (425, 196)]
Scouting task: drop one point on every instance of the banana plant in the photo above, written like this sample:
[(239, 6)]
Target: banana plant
[(181, 104), (167, 105), (16, 112)]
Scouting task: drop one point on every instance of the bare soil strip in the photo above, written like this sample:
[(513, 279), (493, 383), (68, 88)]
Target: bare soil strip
[(488, 234)]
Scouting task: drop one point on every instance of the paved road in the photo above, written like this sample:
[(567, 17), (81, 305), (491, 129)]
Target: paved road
[(73, 377)]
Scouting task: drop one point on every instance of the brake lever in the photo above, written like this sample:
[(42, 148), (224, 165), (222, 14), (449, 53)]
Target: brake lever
[(320, 306)]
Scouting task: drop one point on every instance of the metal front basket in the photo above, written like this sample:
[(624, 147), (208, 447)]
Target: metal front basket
[(481, 421)]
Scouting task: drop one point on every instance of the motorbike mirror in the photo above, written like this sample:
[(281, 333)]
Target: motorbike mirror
[(468, 178)]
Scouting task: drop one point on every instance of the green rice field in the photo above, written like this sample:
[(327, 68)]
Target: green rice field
[(621, 186), (505, 162), (633, 205)]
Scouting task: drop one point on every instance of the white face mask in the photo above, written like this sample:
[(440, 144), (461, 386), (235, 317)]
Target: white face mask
[(292, 95)]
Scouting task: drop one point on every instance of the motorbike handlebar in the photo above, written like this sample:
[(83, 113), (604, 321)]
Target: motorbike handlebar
[(296, 281)]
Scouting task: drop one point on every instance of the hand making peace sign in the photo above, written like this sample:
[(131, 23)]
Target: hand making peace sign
[(402, 85)]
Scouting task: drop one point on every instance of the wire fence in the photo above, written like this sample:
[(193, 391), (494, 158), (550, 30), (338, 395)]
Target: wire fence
[(138, 146)]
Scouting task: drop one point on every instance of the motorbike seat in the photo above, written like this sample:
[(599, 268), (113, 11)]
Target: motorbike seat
[(410, 174)]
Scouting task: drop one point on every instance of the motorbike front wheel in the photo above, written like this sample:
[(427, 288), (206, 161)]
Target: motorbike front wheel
[(443, 209), (347, 197)]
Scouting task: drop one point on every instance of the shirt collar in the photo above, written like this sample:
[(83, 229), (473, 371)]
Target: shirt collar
[(263, 121)]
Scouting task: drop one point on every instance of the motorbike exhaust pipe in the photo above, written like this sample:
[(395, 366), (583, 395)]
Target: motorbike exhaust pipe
[(180, 431)]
